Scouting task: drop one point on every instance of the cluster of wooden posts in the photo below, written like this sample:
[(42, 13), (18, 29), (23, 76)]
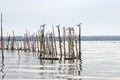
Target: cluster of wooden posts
[(47, 45)]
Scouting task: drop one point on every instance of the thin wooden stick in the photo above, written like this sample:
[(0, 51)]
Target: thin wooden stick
[(54, 40), (76, 49), (2, 43), (27, 39), (73, 53), (37, 42), (8, 40), (79, 40), (59, 42), (64, 36)]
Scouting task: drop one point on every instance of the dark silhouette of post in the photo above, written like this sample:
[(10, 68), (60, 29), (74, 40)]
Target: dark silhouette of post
[(43, 39), (2, 40), (59, 42), (79, 25), (64, 36)]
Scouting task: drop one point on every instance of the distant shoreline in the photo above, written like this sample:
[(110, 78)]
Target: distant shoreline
[(83, 38)]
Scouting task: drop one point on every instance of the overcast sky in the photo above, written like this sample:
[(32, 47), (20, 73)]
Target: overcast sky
[(98, 17)]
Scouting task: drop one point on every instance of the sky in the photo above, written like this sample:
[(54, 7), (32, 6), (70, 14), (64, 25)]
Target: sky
[(98, 17)]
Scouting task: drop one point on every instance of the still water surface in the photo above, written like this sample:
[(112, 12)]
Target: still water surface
[(100, 61)]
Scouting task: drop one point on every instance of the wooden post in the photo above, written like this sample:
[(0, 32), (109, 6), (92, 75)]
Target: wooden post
[(59, 42), (37, 42), (76, 49), (69, 42), (2, 43), (8, 40), (54, 41), (72, 43), (52, 51), (34, 43), (64, 36), (27, 39), (13, 41), (43, 39), (24, 43), (79, 41)]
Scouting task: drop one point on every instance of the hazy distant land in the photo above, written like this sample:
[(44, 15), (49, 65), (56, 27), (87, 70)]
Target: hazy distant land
[(83, 38)]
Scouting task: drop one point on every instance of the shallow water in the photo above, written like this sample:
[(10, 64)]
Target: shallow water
[(100, 61)]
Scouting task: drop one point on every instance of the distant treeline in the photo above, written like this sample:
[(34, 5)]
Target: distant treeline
[(83, 38)]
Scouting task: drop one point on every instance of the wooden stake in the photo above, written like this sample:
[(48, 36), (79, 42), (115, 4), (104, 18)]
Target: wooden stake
[(27, 39), (59, 42), (2, 43), (76, 49), (8, 40), (72, 38), (64, 36), (37, 42), (69, 42), (43, 39), (54, 41), (24, 43), (79, 41), (13, 41), (52, 51)]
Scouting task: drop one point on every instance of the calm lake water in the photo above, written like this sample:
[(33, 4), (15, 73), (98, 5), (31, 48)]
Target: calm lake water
[(100, 61)]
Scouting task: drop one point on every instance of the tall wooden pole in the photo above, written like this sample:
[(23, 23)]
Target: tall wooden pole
[(64, 36), (54, 41), (43, 39), (2, 44), (79, 41), (59, 42)]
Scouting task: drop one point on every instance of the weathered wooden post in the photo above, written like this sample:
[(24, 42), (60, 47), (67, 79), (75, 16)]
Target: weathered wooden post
[(72, 44), (24, 43), (47, 45), (69, 42), (2, 43), (37, 42), (76, 48), (52, 50), (64, 36), (43, 39), (59, 42), (13, 41), (8, 40), (79, 25), (33, 43), (27, 40), (54, 40)]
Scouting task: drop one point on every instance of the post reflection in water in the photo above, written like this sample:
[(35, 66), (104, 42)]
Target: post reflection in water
[(74, 70), (26, 66), (80, 68), (2, 67)]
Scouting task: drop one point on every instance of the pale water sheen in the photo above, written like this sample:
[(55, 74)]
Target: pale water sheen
[(100, 61)]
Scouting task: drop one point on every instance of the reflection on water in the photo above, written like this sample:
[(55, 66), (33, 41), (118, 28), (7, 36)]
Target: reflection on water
[(27, 66), (100, 61)]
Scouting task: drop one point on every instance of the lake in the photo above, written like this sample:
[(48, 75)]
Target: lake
[(100, 61)]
